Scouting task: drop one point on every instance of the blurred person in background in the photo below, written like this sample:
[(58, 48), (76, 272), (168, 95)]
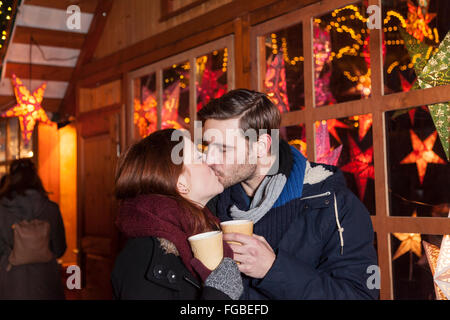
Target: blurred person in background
[(23, 199)]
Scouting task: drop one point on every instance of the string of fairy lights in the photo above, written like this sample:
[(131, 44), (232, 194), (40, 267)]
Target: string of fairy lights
[(200, 65), (6, 13), (338, 24)]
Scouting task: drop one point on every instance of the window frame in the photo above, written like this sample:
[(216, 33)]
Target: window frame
[(158, 67), (34, 140), (377, 105)]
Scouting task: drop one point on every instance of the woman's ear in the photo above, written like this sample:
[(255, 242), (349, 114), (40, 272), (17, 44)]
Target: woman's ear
[(182, 184)]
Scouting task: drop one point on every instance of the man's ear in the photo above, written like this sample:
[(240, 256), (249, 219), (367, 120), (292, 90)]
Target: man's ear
[(263, 145), (182, 184)]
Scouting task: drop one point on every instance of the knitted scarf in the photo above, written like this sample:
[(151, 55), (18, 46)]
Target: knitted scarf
[(158, 216)]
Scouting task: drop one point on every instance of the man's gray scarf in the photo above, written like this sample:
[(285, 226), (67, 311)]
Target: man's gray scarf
[(265, 197)]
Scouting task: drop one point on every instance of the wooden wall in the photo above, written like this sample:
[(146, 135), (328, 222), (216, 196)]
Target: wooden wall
[(131, 21), (56, 162), (48, 159), (95, 98)]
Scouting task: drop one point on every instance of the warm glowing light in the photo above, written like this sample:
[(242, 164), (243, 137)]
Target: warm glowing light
[(28, 108), (422, 153)]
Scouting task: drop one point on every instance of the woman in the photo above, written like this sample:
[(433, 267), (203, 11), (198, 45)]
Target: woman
[(163, 185), (22, 197)]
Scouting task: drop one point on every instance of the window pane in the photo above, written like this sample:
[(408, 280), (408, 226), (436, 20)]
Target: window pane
[(145, 104), (341, 56), (284, 80), (175, 109), (2, 141), (412, 33), (13, 136), (347, 143), (419, 175), (295, 136), (26, 151), (411, 272), (211, 76)]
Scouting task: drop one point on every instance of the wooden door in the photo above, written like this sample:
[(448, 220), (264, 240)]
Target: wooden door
[(99, 149)]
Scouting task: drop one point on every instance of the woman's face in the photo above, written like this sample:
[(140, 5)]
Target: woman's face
[(198, 181)]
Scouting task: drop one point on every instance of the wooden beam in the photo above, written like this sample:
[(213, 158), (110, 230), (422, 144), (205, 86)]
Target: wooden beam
[(87, 52), (39, 72), (215, 18), (85, 5), (49, 104), (47, 37)]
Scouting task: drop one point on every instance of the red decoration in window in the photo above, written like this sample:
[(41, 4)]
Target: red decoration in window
[(422, 153), (361, 166)]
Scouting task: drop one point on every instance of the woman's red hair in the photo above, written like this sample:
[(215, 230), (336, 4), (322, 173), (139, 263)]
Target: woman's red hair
[(147, 168)]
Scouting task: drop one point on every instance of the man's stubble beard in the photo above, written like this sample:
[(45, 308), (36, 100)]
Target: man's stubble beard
[(237, 174)]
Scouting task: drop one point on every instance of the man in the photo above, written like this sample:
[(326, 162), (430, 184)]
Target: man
[(303, 213)]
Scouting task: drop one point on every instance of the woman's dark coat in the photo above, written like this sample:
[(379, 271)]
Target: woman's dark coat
[(145, 270)]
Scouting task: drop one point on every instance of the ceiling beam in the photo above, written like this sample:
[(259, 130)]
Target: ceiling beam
[(87, 52), (87, 6), (47, 37), (38, 72)]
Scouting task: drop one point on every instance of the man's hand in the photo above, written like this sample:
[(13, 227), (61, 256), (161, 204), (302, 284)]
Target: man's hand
[(255, 255)]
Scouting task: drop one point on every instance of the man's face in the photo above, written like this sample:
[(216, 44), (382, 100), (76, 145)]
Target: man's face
[(228, 152)]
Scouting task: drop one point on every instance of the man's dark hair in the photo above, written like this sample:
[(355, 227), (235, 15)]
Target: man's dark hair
[(255, 110)]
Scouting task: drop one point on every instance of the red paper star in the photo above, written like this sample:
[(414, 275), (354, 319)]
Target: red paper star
[(422, 153), (276, 83), (365, 122), (28, 108), (332, 124), (324, 153), (210, 87), (361, 166)]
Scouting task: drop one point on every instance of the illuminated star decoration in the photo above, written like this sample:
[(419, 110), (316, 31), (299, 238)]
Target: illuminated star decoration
[(332, 124), (275, 83), (169, 117), (364, 124), (210, 87), (322, 54), (417, 22), (145, 114), (361, 166), (28, 108), (422, 153), (436, 73), (409, 242), (439, 260), (324, 154)]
